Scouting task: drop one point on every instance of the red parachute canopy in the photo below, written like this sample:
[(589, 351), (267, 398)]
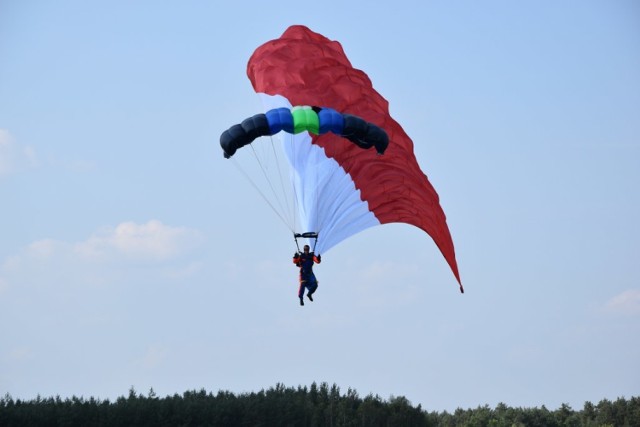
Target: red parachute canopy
[(309, 69)]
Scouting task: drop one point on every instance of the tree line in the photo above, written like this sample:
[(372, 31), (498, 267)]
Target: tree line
[(317, 405)]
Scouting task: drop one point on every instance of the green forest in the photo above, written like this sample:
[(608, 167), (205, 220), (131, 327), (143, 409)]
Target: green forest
[(317, 405)]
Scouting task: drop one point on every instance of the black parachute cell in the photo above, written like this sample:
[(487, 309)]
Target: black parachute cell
[(238, 136), (355, 130), (378, 137), (364, 134), (256, 126), (232, 139)]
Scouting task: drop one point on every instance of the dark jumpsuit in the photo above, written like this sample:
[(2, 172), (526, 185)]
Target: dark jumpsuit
[(307, 278)]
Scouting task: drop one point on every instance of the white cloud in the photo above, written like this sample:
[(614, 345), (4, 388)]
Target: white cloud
[(34, 256), (44, 248), (628, 302), (104, 257), (14, 157), (153, 241)]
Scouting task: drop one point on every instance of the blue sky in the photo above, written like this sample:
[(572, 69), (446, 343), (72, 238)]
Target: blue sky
[(133, 254)]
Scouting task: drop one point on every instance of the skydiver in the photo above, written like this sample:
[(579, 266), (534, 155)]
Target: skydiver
[(308, 280)]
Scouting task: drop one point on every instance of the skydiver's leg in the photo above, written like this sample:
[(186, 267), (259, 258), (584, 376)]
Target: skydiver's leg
[(312, 287), (301, 291)]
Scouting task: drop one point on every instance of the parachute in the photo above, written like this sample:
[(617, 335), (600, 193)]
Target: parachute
[(316, 120), (340, 187)]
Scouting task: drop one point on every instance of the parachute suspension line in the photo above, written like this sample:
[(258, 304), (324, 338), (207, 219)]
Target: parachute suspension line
[(317, 203), (284, 191), (294, 169), (288, 225), (295, 237), (273, 191)]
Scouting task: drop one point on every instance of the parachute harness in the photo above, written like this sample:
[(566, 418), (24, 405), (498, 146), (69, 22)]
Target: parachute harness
[(307, 235)]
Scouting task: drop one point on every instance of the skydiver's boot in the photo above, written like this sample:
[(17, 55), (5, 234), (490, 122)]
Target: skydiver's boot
[(310, 297), (301, 301)]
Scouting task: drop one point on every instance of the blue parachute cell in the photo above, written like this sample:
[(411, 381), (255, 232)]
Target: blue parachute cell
[(280, 119), (330, 121)]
